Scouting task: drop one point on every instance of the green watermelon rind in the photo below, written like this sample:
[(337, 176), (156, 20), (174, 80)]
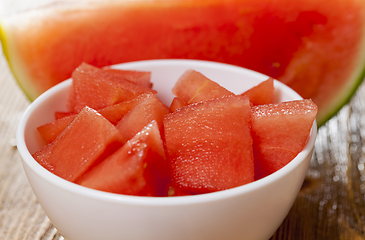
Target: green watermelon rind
[(327, 115), (29, 92), (349, 90)]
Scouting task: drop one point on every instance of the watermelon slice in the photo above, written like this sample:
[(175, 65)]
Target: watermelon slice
[(315, 49), (117, 111), (279, 133), (176, 103), (92, 138), (209, 145), (262, 93), (194, 87), (98, 88), (59, 114), (138, 168), (50, 131), (138, 77), (148, 108), (113, 114)]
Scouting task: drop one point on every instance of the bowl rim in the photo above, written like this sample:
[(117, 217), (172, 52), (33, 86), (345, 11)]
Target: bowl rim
[(153, 201)]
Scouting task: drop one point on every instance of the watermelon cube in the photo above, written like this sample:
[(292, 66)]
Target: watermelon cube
[(209, 145), (279, 133), (86, 141), (137, 168), (59, 114), (176, 104), (148, 108), (141, 78), (51, 130), (113, 113), (194, 87), (97, 89), (262, 93)]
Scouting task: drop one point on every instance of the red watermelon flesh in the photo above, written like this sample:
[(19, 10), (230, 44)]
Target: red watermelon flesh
[(113, 114), (279, 133), (262, 93), (194, 87), (97, 89), (209, 145), (141, 78), (59, 114), (70, 104), (116, 112), (147, 109), (315, 49), (50, 131), (92, 138), (138, 168), (176, 104)]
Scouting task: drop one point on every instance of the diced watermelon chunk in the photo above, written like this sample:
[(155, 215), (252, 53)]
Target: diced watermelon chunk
[(59, 115), (194, 87), (262, 93), (87, 140), (50, 131), (279, 133), (137, 168), (176, 104), (147, 109), (209, 144), (116, 112), (141, 78), (113, 113), (97, 89), (70, 104)]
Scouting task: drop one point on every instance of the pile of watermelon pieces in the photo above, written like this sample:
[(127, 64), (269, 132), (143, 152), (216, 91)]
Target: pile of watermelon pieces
[(119, 137)]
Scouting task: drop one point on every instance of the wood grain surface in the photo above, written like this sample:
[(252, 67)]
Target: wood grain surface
[(330, 205)]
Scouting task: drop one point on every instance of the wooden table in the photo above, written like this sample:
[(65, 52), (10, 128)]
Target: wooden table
[(331, 204)]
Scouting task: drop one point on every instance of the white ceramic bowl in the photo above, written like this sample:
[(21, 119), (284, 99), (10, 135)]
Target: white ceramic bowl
[(253, 211)]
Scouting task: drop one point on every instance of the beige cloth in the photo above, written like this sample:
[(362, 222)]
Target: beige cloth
[(21, 217)]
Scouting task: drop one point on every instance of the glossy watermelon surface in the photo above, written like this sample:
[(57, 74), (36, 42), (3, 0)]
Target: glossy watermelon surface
[(209, 145), (279, 133), (315, 48), (92, 138), (97, 89), (139, 167)]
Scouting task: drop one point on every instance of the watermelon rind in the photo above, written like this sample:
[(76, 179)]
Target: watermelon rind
[(349, 90), (10, 24), (344, 98), (16, 67)]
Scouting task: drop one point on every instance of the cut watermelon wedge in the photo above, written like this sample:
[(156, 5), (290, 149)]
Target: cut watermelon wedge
[(315, 49), (279, 133), (209, 145), (93, 139), (137, 168)]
